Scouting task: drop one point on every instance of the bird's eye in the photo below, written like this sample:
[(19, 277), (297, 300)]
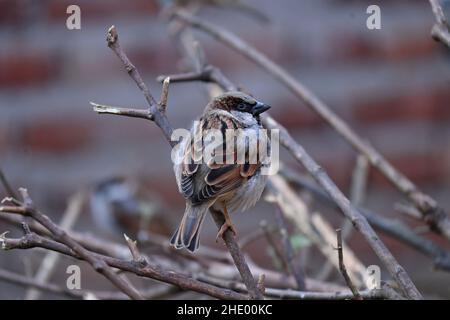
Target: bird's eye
[(242, 107)]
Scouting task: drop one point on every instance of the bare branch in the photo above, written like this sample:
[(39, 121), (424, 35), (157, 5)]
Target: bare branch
[(249, 238), (312, 225), (28, 209), (431, 212), (18, 279), (352, 213), (390, 227), (358, 189), (238, 257), (441, 29), (273, 245), (261, 283), (154, 272), (50, 260), (162, 122), (289, 251), (384, 293), (132, 245), (218, 261), (9, 190), (407, 210), (342, 268), (127, 112), (203, 75), (358, 220), (112, 38), (157, 116), (164, 94)]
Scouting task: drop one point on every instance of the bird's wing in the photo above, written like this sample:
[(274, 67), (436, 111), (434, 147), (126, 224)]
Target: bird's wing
[(201, 182)]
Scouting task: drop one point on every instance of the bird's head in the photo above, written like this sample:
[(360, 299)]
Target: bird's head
[(238, 101)]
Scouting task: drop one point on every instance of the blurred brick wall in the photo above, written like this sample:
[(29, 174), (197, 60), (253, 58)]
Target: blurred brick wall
[(391, 85)]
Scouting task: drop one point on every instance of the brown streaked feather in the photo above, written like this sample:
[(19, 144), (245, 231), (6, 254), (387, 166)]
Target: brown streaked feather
[(202, 182), (248, 170)]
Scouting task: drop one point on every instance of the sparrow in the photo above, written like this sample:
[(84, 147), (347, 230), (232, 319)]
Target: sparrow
[(216, 184)]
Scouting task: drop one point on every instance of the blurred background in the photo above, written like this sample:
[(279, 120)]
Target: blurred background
[(391, 85)]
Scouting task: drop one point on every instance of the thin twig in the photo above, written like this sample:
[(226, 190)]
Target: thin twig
[(50, 260), (127, 112), (393, 228), (9, 190), (154, 110), (359, 221), (358, 189), (253, 236), (312, 225), (135, 253), (296, 272), (279, 257), (407, 210), (218, 262), (384, 293), (18, 279), (12, 277), (28, 209), (238, 257), (164, 94), (441, 29), (352, 213), (32, 240), (342, 268)]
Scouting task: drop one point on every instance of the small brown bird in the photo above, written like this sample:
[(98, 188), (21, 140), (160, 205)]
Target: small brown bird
[(218, 183)]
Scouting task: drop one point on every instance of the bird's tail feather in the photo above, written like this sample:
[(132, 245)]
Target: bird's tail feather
[(187, 234)]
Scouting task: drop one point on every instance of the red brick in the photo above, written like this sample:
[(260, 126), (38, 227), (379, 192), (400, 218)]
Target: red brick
[(417, 106), (57, 135), (421, 168), (165, 188), (295, 116), (157, 59), (27, 68), (338, 167), (12, 12), (101, 9), (282, 50), (404, 48), (353, 47), (350, 47)]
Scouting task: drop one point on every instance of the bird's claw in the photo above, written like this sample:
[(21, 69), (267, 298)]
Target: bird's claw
[(226, 225)]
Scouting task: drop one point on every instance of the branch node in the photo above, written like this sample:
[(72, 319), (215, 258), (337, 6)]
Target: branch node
[(26, 228), (112, 36), (164, 94), (135, 253), (3, 240), (261, 283), (27, 202)]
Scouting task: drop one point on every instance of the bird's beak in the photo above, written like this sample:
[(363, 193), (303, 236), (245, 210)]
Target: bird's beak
[(259, 108)]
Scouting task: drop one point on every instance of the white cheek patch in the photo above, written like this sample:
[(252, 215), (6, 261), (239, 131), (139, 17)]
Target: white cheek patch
[(244, 117)]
